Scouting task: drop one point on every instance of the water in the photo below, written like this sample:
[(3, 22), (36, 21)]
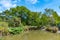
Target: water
[(31, 35), (40, 35), (34, 35)]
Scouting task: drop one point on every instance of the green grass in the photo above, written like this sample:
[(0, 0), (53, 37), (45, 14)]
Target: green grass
[(34, 35)]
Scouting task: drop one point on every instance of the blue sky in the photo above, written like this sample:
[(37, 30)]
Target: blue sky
[(33, 5)]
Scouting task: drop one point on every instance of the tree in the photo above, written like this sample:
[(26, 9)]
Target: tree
[(53, 16), (56, 18)]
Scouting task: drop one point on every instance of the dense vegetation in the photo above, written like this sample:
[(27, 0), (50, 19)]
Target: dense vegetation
[(20, 16)]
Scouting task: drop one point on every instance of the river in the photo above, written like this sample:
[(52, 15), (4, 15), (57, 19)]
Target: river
[(34, 35), (40, 35)]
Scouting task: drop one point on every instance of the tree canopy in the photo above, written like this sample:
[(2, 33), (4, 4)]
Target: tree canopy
[(22, 15)]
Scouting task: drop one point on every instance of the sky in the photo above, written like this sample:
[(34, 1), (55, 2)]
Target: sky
[(33, 5)]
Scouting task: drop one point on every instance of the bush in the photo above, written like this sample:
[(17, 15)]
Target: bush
[(49, 29), (55, 29), (4, 28), (15, 30)]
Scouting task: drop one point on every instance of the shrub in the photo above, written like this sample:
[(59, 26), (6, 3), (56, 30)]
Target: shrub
[(4, 28), (15, 30), (55, 29), (49, 29), (52, 29)]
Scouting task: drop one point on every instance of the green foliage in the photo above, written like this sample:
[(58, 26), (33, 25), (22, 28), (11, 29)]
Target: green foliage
[(15, 30), (4, 28), (21, 16)]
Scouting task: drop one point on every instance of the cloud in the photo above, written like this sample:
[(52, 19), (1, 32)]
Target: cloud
[(53, 5), (15, 1), (6, 4), (32, 1), (0, 9)]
